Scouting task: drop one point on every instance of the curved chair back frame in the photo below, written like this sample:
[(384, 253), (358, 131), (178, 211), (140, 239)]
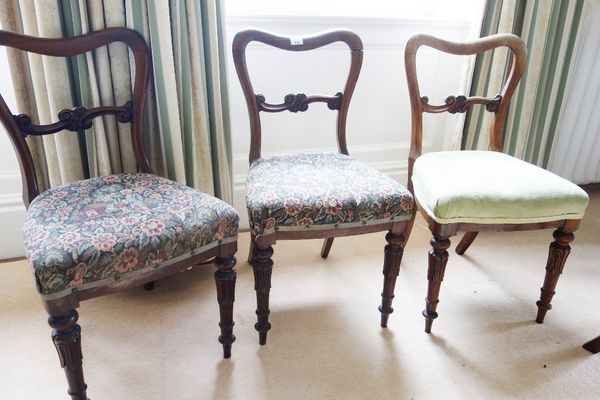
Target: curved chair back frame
[(296, 102), (78, 118), (498, 105)]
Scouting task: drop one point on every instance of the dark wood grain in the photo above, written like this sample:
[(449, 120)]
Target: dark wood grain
[(299, 102), (326, 248), (557, 257), (438, 258), (459, 104), (66, 335), (593, 345), (498, 106), (465, 242), (225, 277), (263, 266), (391, 268), (75, 119)]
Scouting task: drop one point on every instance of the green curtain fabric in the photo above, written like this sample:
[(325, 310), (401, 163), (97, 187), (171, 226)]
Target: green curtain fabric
[(549, 29), (187, 133)]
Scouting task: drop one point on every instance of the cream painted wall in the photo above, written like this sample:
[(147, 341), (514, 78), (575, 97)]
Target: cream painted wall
[(12, 211)]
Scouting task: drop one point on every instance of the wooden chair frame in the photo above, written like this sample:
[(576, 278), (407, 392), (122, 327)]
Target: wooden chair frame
[(66, 333), (261, 249), (438, 256)]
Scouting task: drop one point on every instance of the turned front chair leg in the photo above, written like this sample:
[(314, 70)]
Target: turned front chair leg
[(465, 242), (391, 268), (262, 266), (438, 257), (327, 243), (66, 335), (557, 256), (225, 276)]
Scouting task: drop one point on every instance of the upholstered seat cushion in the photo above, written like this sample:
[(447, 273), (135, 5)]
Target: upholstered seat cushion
[(492, 188), (321, 191), (97, 231)]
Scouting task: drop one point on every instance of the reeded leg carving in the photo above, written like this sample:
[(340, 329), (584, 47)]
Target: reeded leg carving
[(66, 335), (465, 242), (438, 257), (391, 268), (225, 276), (557, 256), (327, 243), (262, 266)]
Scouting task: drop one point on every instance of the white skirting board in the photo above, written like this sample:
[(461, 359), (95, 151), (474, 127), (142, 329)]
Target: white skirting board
[(12, 215)]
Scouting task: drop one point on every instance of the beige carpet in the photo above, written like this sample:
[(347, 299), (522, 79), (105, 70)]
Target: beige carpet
[(326, 342)]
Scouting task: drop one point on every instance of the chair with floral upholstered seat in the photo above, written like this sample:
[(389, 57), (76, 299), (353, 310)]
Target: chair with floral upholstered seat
[(316, 194), (474, 191), (96, 236)]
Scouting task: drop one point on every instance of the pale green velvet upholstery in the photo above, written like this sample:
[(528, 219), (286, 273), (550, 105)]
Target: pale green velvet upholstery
[(492, 188)]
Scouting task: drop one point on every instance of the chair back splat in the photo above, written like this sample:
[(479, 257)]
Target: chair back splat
[(296, 102), (498, 105), (78, 118)]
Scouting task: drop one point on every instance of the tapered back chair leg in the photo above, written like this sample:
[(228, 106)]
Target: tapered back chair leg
[(465, 242), (327, 243)]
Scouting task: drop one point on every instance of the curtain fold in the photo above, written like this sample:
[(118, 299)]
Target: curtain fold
[(186, 127), (549, 29)]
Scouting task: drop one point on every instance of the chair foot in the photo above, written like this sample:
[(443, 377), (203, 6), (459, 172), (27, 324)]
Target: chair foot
[(465, 242), (66, 335), (149, 286), (391, 268), (429, 317), (557, 256), (438, 257), (225, 277), (593, 345), (262, 266), (327, 243)]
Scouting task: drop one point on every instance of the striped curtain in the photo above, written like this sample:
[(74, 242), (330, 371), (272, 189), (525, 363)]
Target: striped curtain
[(549, 29), (187, 133)]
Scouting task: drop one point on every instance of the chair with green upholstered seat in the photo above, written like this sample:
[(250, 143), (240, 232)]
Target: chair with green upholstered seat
[(474, 191)]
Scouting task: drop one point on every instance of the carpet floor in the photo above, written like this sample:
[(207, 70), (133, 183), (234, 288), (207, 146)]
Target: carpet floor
[(326, 342)]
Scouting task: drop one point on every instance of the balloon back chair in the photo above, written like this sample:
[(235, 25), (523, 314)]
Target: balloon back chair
[(313, 195), (96, 236), (473, 191)]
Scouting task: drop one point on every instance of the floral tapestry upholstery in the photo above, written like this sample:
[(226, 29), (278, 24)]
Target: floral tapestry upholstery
[(320, 191), (98, 231)]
